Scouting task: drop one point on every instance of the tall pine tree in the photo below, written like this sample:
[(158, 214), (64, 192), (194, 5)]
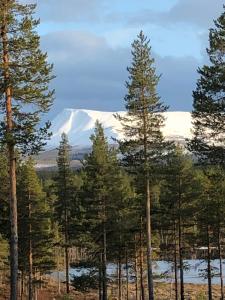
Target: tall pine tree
[(144, 143), (24, 80), (65, 196)]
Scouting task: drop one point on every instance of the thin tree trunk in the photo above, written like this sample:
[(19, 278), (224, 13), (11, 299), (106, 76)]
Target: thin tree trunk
[(100, 278), (35, 287), (209, 266), (12, 163), (67, 248), (148, 207), (141, 264), (104, 269), (120, 278), (30, 282), (136, 270), (22, 285), (127, 275), (180, 244), (175, 263), (149, 245), (221, 263), (58, 269), (67, 269)]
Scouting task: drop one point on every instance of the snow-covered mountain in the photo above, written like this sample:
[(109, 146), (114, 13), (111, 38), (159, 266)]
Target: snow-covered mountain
[(79, 124)]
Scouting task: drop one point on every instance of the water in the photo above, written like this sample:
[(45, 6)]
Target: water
[(193, 272)]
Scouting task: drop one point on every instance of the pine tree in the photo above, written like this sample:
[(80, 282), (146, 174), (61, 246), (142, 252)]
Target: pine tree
[(144, 144), (34, 219), (209, 105), (65, 197), (97, 168), (107, 193), (24, 80), (181, 190)]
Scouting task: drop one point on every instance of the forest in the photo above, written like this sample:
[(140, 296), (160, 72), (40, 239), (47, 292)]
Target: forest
[(99, 231)]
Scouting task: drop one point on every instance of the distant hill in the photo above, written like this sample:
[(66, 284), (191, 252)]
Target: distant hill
[(79, 124)]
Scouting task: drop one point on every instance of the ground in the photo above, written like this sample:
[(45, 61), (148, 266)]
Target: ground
[(162, 292)]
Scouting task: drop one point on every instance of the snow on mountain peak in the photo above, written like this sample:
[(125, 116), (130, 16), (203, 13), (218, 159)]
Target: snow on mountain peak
[(79, 124)]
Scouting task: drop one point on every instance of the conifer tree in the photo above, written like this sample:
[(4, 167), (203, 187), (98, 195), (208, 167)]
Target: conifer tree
[(106, 193), (96, 195), (35, 232), (24, 80), (65, 196), (181, 190), (144, 143), (210, 221), (209, 103)]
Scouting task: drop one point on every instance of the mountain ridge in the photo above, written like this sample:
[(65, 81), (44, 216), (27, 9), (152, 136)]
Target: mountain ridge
[(79, 124)]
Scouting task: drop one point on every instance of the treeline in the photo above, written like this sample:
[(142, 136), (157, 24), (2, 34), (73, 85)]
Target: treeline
[(146, 200), (95, 217)]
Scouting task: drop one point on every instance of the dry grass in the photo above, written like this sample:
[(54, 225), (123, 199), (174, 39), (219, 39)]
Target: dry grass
[(162, 292)]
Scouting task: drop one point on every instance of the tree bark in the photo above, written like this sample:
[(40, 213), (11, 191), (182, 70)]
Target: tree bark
[(175, 263), (67, 268), (221, 263), (180, 242), (149, 245), (58, 270), (12, 162), (209, 266), (104, 269), (22, 285), (127, 275), (136, 270), (148, 204), (100, 278), (141, 264), (30, 282), (66, 244), (120, 278)]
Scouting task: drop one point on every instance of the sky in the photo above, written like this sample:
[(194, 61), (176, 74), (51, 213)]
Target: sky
[(89, 43)]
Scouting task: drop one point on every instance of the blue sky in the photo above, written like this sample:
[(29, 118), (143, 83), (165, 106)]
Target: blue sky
[(89, 43)]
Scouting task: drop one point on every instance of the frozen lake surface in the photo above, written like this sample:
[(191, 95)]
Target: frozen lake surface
[(193, 272)]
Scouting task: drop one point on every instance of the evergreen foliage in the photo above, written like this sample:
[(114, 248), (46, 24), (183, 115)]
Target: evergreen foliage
[(209, 102), (144, 146), (34, 213), (26, 73), (107, 193)]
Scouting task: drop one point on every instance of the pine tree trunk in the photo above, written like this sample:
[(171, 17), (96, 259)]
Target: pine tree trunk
[(30, 282), (12, 165), (100, 278), (127, 275), (175, 263), (58, 271), (67, 249), (67, 268), (141, 264), (149, 246), (136, 271), (180, 242), (221, 263), (22, 285), (120, 279), (209, 266), (148, 205), (104, 269)]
